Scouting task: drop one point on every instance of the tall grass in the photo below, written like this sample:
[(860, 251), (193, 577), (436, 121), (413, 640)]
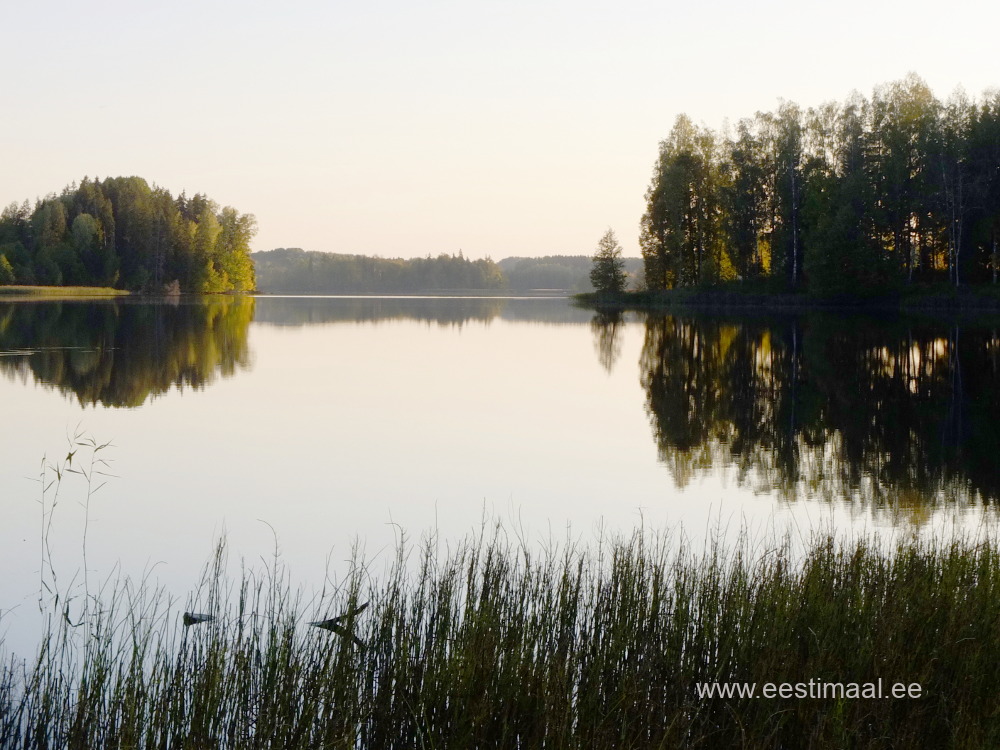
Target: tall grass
[(497, 645)]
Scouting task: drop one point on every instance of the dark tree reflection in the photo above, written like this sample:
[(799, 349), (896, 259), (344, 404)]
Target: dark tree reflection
[(442, 311), (607, 327), (885, 411), (122, 355)]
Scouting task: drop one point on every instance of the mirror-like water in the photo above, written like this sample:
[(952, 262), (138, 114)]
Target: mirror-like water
[(335, 419)]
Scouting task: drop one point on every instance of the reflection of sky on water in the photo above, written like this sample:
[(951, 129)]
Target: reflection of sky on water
[(348, 432)]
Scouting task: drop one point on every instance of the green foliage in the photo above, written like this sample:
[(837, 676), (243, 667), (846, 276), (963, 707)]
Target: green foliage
[(608, 272), (232, 249), (121, 232), (6, 271), (48, 223), (47, 271), (843, 199), (15, 223), (680, 232), (86, 233), (744, 195), (20, 260)]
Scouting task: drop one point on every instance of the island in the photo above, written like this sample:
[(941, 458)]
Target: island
[(121, 233)]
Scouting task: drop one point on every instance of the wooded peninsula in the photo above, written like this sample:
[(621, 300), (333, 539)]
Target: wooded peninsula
[(853, 199), (122, 233)]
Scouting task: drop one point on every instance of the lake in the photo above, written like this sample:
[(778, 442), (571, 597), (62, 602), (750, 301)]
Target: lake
[(318, 424)]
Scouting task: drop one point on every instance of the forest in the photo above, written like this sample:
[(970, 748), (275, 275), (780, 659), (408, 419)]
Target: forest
[(297, 271), (121, 232), (857, 198)]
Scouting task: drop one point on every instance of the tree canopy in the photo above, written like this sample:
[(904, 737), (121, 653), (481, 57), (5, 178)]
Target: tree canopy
[(846, 198), (121, 232)]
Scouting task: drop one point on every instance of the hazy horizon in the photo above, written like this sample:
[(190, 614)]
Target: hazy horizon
[(389, 129), (637, 256)]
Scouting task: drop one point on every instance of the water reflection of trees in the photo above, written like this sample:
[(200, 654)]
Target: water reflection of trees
[(891, 412), (122, 355), (443, 311), (607, 326)]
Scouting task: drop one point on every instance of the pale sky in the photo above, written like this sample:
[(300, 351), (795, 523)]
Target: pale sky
[(402, 129)]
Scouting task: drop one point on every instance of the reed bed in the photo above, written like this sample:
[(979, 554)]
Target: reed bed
[(497, 645)]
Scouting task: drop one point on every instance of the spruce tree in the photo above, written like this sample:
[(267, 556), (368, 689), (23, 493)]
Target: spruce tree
[(608, 272)]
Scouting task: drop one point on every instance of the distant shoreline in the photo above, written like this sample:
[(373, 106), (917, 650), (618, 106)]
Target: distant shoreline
[(18, 290), (11, 292), (481, 293)]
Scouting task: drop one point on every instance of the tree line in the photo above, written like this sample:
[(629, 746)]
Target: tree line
[(121, 232), (297, 271), (857, 197), (569, 272)]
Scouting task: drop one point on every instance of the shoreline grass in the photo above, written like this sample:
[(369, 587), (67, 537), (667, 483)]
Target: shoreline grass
[(495, 645), (61, 291)]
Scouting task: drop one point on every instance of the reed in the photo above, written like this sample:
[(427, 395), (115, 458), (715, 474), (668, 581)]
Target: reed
[(504, 645)]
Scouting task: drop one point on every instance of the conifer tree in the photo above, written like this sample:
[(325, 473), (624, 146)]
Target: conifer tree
[(608, 272)]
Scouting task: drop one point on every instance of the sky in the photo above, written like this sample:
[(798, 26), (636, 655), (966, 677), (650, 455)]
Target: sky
[(407, 129)]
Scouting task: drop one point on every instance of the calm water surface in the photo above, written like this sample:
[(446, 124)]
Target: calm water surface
[(331, 420)]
